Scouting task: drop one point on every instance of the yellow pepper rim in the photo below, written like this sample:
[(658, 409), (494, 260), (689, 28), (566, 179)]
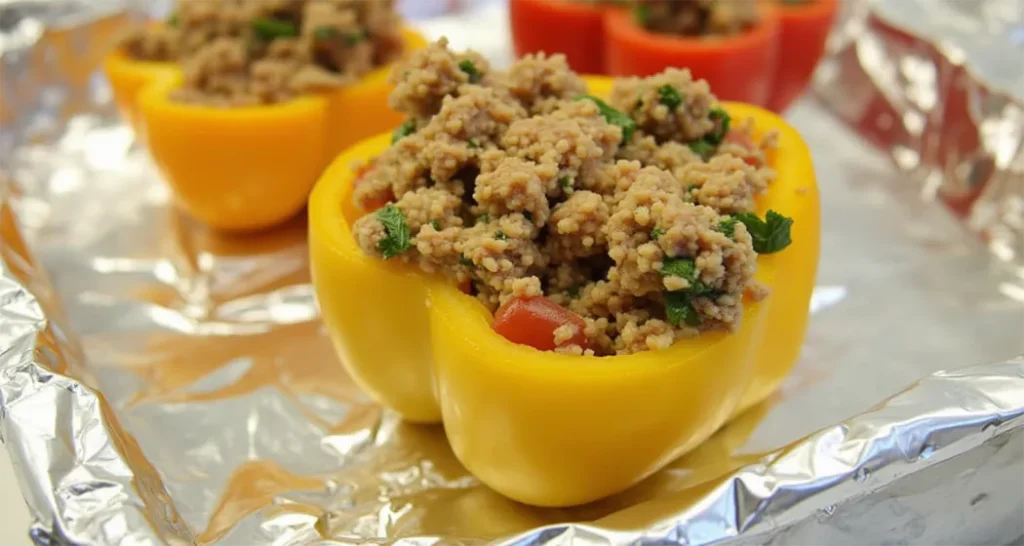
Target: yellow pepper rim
[(334, 187), (158, 90)]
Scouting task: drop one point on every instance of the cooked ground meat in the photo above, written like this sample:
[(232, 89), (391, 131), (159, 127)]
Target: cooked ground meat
[(245, 52), (513, 187), (697, 17)]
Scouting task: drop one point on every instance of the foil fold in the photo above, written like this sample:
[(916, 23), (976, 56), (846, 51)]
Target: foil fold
[(163, 384)]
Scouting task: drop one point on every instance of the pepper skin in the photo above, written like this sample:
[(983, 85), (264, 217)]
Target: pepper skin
[(738, 68), (354, 112), (236, 169), (544, 428), (570, 27), (805, 27)]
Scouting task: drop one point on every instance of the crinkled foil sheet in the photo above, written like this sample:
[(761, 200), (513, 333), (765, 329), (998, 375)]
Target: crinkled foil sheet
[(163, 384)]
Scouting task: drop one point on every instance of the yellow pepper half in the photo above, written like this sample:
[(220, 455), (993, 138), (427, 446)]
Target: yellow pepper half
[(247, 168), (544, 428)]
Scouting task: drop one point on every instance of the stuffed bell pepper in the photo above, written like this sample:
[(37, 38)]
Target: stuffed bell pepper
[(581, 279), (242, 104), (761, 52)]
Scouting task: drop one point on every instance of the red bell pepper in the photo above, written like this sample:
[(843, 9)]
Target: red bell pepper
[(738, 68), (805, 28), (572, 28)]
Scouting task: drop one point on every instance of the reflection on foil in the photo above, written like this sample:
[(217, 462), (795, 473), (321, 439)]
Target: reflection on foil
[(225, 418)]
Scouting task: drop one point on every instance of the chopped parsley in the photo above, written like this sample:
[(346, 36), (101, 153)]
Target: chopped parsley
[(500, 235), (483, 218), (528, 215), (436, 224), (728, 227), (473, 144), (573, 292), (463, 260), (679, 309), (722, 126), (771, 234), (614, 117), (268, 29), (642, 13), (396, 231), (705, 146), (403, 130), (566, 183), (655, 233), (331, 33), (471, 70), (702, 148), (173, 21), (684, 268), (669, 96)]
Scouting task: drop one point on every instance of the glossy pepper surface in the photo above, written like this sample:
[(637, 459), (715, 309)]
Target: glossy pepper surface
[(570, 27), (804, 29), (738, 68), (354, 112), (545, 428), (248, 168)]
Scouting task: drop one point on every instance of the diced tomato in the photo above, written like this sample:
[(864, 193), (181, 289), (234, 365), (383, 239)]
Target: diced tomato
[(533, 321), (466, 286)]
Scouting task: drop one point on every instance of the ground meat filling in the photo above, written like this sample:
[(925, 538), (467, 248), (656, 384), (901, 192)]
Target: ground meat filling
[(697, 17), (250, 52), (513, 186)]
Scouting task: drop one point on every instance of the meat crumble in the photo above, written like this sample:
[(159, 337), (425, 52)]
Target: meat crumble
[(249, 52), (696, 17), (632, 214)]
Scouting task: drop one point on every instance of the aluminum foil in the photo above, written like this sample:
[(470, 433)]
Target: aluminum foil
[(164, 384)]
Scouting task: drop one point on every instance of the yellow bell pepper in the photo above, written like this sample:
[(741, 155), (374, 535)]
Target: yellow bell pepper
[(544, 428), (358, 110), (247, 168)]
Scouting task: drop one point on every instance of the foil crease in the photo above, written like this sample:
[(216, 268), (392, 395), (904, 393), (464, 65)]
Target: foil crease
[(164, 384)]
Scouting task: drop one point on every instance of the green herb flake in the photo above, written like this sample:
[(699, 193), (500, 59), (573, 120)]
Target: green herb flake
[(473, 144), (436, 224), (353, 38), (642, 14), (573, 292), (403, 130), (702, 148), (722, 126), (268, 29), (769, 235), (679, 310), (669, 96), (566, 183), (463, 260), (614, 117), (471, 70), (173, 21), (728, 227), (528, 215), (483, 218), (396, 231), (325, 33), (656, 233), (500, 235)]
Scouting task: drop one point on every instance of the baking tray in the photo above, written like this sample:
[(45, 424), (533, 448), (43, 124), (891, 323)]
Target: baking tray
[(164, 384)]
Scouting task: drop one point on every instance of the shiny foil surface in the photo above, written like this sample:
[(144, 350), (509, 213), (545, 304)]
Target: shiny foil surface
[(164, 384)]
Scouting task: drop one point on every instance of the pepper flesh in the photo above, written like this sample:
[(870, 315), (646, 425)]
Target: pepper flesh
[(804, 30), (570, 27), (544, 428), (738, 68), (354, 111)]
